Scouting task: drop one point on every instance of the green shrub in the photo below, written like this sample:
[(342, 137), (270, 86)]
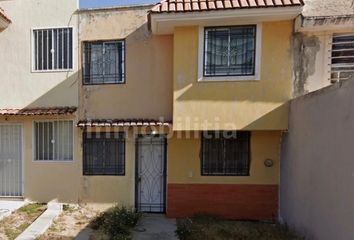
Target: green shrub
[(117, 222)]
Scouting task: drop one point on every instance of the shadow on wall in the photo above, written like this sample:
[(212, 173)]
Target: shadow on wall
[(252, 91), (269, 119), (64, 94), (147, 92)]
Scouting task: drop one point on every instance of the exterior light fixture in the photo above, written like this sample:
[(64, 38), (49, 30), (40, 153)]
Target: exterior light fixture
[(268, 163)]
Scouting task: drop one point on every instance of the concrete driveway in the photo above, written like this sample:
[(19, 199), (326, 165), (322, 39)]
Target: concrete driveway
[(7, 207), (155, 227)]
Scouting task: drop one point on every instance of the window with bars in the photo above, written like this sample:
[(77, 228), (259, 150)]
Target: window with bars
[(230, 51), (53, 141), (342, 57), (104, 153), (104, 62), (53, 49), (225, 154)]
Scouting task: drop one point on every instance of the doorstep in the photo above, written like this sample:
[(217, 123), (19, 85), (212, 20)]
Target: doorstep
[(8, 206)]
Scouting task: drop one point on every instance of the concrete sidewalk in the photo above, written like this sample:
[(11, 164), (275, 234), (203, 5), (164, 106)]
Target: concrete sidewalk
[(42, 223), (9, 206), (155, 227)]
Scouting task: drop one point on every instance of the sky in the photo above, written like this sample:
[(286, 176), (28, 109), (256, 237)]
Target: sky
[(111, 3)]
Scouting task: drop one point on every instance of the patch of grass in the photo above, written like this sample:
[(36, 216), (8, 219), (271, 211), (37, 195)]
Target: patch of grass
[(116, 223), (32, 208), (16, 223), (213, 228), (13, 233)]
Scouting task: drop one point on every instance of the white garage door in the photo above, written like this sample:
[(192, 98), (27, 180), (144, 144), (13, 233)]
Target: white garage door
[(10, 160)]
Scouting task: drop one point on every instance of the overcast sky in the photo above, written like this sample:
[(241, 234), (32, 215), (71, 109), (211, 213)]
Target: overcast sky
[(111, 3)]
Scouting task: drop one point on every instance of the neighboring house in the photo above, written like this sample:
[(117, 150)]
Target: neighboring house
[(316, 196), (39, 85), (323, 45)]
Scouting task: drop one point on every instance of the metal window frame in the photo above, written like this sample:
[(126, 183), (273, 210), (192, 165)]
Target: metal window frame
[(229, 27), (256, 77), (84, 134), (123, 40), (23, 162), (201, 156), (33, 58), (136, 194), (351, 34), (34, 146)]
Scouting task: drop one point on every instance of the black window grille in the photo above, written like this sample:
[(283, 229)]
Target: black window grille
[(225, 153), (104, 154), (104, 62), (230, 51)]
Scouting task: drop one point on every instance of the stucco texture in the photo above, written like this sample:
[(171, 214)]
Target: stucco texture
[(328, 8), (47, 181), (112, 189), (147, 92), (317, 166), (20, 86), (184, 160), (233, 105)]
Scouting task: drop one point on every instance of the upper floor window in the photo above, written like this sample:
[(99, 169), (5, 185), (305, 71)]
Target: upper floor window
[(229, 51), (342, 57), (104, 62), (226, 153), (53, 49)]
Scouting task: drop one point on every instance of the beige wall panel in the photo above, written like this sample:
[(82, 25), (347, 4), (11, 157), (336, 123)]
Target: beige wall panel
[(20, 87), (147, 92)]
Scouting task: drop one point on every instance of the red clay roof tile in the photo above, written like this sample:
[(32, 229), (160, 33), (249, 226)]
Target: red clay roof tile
[(166, 6), (3, 15), (38, 111), (121, 123)]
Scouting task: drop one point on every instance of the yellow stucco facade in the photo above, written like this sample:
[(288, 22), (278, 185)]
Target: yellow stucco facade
[(184, 162), (162, 83), (233, 105)]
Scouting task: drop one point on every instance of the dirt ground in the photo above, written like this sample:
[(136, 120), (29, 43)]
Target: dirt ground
[(72, 222), (16, 223)]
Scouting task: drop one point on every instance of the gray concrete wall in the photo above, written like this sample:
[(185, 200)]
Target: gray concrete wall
[(328, 7), (317, 165)]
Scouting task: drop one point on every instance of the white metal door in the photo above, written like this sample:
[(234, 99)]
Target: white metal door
[(151, 174), (10, 161)]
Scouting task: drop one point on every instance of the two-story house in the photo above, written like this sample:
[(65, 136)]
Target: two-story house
[(177, 107), (38, 99), (182, 106)]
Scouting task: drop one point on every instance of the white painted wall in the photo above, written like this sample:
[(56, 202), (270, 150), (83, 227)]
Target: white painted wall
[(316, 52), (19, 87), (320, 77)]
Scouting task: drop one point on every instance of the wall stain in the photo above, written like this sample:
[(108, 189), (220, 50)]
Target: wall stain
[(305, 52)]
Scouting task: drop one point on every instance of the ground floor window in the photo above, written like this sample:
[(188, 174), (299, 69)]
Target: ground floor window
[(225, 153), (104, 154), (53, 140)]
